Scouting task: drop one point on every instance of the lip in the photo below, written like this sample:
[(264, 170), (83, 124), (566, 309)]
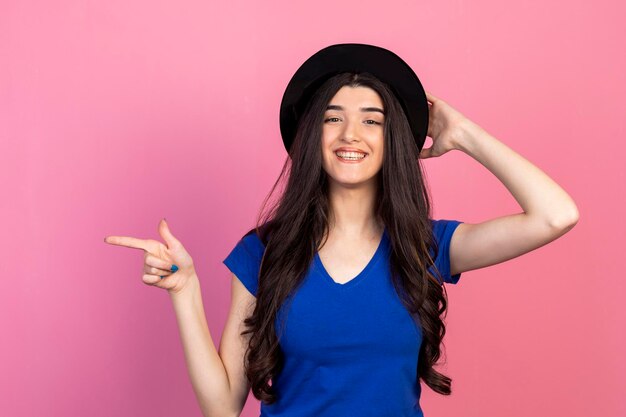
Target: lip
[(346, 149)]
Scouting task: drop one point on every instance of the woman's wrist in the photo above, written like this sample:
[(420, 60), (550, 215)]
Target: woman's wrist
[(469, 137), (191, 288)]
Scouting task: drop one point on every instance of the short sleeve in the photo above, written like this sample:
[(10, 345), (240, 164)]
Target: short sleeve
[(442, 232), (244, 261)]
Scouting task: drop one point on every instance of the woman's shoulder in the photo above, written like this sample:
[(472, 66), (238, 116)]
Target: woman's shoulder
[(256, 238), (252, 238), (441, 226)]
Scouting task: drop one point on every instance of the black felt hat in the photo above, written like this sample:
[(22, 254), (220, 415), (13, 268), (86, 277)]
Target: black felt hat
[(355, 57)]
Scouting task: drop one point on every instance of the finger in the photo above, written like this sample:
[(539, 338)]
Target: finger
[(147, 269), (165, 283), (166, 234), (430, 97), (154, 280), (426, 153), (157, 262), (127, 241)]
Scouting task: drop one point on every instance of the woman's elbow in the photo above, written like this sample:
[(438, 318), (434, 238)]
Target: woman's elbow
[(566, 220)]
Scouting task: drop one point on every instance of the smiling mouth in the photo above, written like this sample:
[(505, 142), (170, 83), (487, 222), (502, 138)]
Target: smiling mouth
[(350, 156)]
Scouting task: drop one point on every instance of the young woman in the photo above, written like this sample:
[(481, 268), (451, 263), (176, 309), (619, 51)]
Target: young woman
[(337, 292)]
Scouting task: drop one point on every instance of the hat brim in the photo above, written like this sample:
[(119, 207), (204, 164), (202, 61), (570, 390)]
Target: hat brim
[(355, 57)]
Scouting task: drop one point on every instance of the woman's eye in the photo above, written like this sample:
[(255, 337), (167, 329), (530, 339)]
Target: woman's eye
[(374, 122)]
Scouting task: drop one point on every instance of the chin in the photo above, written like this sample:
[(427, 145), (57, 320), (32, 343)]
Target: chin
[(351, 182)]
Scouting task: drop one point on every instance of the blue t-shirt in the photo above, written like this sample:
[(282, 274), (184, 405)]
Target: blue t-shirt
[(349, 349)]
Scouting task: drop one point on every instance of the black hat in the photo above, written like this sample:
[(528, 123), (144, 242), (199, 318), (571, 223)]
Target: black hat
[(355, 57)]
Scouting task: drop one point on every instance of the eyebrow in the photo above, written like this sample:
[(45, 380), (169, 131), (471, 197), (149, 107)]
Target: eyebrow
[(363, 109)]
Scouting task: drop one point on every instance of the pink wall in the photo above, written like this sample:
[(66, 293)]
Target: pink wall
[(114, 114)]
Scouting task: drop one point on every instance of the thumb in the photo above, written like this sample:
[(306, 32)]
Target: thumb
[(426, 153), (165, 233), (430, 97)]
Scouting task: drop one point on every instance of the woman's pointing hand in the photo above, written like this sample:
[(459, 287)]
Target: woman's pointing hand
[(166, 266)]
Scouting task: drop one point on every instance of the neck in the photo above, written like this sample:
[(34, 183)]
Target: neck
[(352, 210)]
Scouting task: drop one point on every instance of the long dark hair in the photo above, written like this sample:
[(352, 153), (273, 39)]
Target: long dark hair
[(292, 228)]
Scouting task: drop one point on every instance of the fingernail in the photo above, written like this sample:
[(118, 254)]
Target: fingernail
[(174, 268)]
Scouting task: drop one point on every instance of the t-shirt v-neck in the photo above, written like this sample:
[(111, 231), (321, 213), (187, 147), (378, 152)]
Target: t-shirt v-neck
[(348, 349), (361, 275)]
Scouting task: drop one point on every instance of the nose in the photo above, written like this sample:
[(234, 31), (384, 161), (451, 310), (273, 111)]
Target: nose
[(350, 131)]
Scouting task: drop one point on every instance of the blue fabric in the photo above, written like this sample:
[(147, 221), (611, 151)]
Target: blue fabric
[(349, 349)]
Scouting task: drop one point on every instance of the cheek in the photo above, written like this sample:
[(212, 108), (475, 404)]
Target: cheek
[(327, 156), (325, 140), (379, 159)]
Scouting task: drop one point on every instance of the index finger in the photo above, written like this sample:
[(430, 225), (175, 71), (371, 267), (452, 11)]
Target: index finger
[(129, 242)]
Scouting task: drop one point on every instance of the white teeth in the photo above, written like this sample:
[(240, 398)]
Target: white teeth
[(350, 155)]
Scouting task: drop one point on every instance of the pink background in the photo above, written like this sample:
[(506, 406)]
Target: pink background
[(114, 114)]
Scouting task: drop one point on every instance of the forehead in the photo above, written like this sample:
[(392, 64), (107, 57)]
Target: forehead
[(356, 96)]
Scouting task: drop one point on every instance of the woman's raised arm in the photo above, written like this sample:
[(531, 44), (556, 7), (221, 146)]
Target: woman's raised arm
[(548, 211)]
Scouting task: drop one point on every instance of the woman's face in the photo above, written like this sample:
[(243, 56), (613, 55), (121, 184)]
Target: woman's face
[(353, 120)]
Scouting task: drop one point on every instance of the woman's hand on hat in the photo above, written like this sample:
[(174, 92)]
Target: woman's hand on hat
[(444, 127), (165, 266)]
